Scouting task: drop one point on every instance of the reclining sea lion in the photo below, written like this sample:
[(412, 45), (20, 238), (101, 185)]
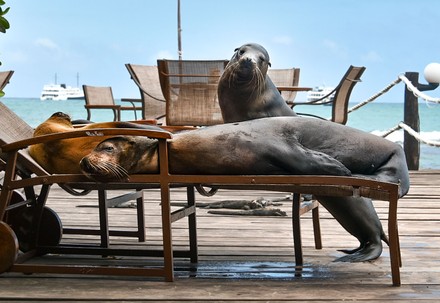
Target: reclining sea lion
[(63, 156), (245, 91), (279, 145)]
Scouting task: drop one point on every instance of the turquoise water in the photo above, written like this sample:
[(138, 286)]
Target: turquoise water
[(374, 117)]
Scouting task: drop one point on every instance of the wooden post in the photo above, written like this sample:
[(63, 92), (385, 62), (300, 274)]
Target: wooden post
[(411, 118)]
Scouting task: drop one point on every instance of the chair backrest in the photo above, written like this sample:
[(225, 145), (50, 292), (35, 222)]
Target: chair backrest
[(4, 78), (285, 77), (98, 95), (146, 77), (13, 128), (343, 92), (190, 91)]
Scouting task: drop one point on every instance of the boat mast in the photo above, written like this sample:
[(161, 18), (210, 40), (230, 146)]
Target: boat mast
[(179, 32)]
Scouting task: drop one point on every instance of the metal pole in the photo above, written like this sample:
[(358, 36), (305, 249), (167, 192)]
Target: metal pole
[(179, 31), (411, 118)]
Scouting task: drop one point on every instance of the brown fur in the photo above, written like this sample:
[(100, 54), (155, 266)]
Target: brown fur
[(63, 156)]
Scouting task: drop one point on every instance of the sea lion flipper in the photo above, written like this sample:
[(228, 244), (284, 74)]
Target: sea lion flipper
[(311, 162), (367, 252)]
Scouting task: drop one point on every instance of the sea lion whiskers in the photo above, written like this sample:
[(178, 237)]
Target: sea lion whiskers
[(110, 168), (115, 169), (259, 80)]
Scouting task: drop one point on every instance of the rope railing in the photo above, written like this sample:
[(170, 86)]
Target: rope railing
[(412, 132), (417, 92), (399, 79), (374, 97)]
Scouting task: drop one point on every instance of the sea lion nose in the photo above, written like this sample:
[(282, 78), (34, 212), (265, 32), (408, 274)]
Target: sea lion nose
[(247, 62), (84, 164)]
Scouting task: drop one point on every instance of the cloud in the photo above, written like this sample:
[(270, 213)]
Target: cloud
[(335, 48), (165, 54), (46, 43), (285, 40), (372, 56)]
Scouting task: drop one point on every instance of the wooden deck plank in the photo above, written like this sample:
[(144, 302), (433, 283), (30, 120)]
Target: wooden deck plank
[(251, 258)]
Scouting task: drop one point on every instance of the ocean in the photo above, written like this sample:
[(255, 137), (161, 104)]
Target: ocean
[(374, 118)]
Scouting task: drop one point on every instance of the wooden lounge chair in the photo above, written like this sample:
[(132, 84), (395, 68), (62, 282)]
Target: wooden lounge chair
[(342, 95), (4, 78), (190, 91), (13, 128), (27, 224), (147, 80), (101, 97), (319, 185)]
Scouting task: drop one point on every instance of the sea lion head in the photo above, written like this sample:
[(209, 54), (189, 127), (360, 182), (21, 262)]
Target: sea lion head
[(114, 159), (249, 63)]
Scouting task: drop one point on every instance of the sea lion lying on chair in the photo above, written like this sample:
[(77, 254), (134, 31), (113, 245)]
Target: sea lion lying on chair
[(63, 156), (279, 145), (245, 91)]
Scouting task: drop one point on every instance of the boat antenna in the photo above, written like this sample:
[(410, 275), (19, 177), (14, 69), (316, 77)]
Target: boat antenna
[(77, 79)]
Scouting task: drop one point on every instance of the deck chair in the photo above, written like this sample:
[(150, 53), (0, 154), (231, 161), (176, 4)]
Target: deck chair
[(27, 224), (101, 97), (165, 180), (285, 78), (147, 80), (13, 128), (342, 95), (4, 78), (190, 91)]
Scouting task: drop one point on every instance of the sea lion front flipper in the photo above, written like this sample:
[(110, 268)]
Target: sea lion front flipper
[(305, 161)]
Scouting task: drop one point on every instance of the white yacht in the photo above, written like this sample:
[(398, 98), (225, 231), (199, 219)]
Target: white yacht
[(319, 92), (61, 92)]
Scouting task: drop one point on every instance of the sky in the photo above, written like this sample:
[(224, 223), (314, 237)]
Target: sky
[(95, 38)]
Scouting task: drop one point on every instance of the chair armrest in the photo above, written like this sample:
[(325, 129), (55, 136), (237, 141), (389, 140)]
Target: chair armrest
[(156, 134), (293, 88), (102, 106), (131, 100)]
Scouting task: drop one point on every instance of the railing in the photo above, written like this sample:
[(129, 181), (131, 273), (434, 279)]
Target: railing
[(411, 121)]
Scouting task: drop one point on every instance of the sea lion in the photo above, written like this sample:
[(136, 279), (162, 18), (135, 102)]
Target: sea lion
[(63, 156), (278, 145), (245, 91)]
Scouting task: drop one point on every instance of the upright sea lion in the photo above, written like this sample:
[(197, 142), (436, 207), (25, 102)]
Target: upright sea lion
[(63, 156), (280, 145), (245, 91), (242, 96)]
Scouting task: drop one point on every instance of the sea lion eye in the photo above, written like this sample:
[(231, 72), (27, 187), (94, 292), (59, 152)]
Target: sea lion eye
[(108, 148)]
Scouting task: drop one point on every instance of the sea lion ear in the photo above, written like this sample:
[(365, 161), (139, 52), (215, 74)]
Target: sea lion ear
[(270, 64)]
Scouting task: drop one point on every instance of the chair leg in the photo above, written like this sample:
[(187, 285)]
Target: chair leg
[(316, 227), (192, 226), (296, 204), (103, 217), (89, 114), (140, 216)]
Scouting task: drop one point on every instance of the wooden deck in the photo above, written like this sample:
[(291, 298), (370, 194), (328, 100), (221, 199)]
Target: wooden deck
[(251, 259)]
